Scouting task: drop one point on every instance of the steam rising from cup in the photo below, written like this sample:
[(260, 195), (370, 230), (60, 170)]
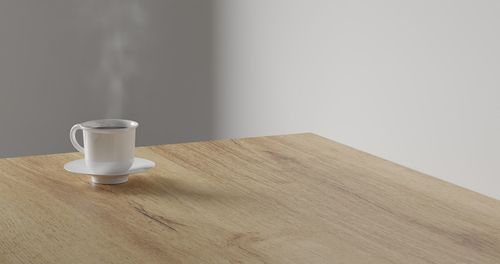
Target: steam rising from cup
[(120, 23)]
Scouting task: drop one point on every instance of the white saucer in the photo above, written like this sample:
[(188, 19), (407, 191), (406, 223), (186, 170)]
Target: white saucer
[(78, 166)]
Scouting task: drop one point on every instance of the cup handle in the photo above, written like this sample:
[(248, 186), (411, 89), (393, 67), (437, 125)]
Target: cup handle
[(72, 137)]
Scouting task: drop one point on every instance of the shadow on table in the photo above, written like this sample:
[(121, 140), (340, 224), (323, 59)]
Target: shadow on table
[(171, 187)]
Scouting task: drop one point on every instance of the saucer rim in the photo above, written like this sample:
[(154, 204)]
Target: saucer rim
[(130, 171)]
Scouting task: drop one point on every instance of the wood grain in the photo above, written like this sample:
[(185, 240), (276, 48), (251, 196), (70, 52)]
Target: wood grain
[(282, 199)]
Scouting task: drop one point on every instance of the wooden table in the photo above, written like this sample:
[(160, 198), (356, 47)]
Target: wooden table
[(282, 199)]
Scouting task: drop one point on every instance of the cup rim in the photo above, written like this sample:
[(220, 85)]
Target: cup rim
[(95, 125)]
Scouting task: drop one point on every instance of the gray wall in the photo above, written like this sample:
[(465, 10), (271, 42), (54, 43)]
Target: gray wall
[(65, 61)]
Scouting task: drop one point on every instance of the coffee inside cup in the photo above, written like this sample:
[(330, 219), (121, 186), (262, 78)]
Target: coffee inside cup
[(109, 127), (109, 124)]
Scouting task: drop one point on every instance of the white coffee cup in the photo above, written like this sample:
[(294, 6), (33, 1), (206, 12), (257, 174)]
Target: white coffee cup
[(109, 145)]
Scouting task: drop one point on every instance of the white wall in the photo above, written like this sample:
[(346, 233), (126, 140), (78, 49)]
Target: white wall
[(415, 82)]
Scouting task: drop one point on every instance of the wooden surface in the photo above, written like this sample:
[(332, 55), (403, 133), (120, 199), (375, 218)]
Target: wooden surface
[(282, 199)]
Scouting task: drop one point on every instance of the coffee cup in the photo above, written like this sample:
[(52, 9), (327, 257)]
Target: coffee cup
[(108, 145)]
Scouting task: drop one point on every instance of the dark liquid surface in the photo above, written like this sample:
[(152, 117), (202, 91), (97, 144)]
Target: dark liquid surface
[(110, 127)]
